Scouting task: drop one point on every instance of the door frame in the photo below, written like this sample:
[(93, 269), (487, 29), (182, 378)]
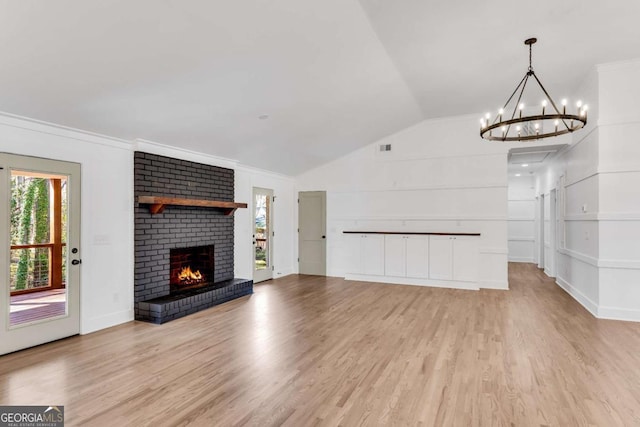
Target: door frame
[(29, 334), (323, 196), (267, 273)]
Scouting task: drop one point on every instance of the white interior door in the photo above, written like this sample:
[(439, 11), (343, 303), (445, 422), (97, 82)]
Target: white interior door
[(40, 257), (262, 234), (312, 243)]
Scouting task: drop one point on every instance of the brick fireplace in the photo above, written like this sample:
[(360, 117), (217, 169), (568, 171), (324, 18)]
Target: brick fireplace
[(182, 234)]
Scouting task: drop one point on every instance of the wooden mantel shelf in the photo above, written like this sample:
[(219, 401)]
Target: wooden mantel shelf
[(157, 204)]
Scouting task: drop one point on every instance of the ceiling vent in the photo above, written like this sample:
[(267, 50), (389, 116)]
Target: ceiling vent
[(385, 147)]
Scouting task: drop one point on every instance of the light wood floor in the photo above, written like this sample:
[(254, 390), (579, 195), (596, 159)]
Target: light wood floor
[(321, 351)]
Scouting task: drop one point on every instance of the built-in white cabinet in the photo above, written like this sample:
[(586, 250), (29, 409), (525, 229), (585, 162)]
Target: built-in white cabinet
[(465, 259), (453, 258), (406, 256), (415, 259), (367, 254), (441, 257)]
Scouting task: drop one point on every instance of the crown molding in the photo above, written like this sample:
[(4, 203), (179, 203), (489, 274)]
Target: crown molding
[(34, 125), (182, 153)]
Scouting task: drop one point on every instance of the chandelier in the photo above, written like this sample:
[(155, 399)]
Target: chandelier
[(552, 121)]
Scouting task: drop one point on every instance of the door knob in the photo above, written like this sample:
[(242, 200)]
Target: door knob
[(323, 237), (76, 261)]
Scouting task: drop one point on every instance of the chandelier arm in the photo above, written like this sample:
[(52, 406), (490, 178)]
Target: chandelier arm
[(515, 107), (515, 90), (523, 81), (524, 84), (549, 98)]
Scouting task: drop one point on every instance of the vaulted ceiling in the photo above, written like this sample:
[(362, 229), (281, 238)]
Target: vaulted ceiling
[(331, 75)]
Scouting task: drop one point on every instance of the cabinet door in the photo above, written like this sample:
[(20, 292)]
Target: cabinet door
[(373, 254), (440, 257), (417, 249), (465, 259), (353, 243), (394, 255)]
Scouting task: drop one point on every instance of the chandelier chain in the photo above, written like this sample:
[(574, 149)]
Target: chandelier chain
[(530, 54)]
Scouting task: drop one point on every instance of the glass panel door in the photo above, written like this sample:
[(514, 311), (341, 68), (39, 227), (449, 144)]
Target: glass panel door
[(39, 232), (262, 234)]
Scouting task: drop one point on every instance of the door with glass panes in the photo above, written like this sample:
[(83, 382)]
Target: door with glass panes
[(262, 234), (40, 234)]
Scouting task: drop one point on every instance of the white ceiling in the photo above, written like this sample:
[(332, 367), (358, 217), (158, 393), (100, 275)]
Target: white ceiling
[(462, 56), (332, 75)]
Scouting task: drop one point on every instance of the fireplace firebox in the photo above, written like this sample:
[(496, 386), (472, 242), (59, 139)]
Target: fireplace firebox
[(191, 267)]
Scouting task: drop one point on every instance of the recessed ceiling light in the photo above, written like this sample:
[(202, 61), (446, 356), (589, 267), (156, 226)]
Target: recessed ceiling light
[(517, 174), (524, 165), (263, 116)]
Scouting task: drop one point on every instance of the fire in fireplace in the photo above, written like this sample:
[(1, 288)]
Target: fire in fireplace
[(191, 267), (189, 277)]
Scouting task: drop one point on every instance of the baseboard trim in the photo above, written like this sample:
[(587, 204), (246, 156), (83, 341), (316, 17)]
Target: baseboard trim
[(502, 285), (519, 259), (600, 312), (106, 321), (451, 284), (617, 313), (283, 273), (577, 295)]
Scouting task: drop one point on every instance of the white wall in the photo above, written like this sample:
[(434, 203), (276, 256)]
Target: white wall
[(573, 173), (106, 296), (619, 190), (599, 263), (521, 226), (283, 212), (440, 176)]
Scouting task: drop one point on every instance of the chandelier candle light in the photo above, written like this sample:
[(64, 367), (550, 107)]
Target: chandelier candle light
[(551, 122)]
